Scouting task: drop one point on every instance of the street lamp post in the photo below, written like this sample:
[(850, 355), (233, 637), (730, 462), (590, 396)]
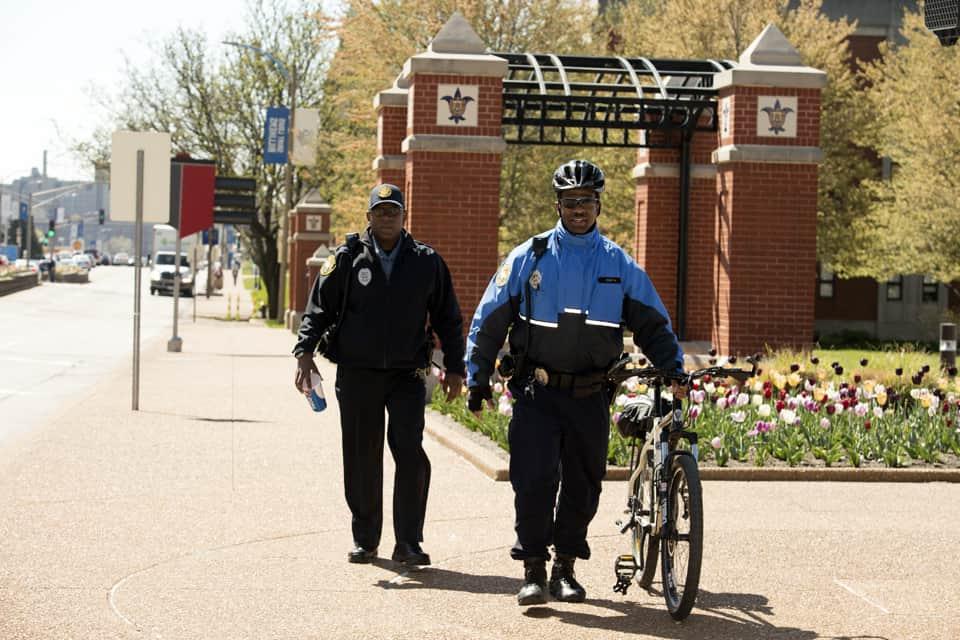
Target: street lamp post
[(291, 79)]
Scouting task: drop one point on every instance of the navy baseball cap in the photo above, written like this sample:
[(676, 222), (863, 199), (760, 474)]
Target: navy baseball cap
[(386, 193)]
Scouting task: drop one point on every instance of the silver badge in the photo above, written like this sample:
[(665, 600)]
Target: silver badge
[(535, 279), (364, 276), (541, 376)]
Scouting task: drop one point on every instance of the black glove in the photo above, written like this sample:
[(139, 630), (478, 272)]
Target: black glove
[(476, 397)]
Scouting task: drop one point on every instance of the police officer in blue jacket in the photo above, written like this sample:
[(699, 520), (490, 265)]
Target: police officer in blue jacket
[(373, 310), (564, 297)]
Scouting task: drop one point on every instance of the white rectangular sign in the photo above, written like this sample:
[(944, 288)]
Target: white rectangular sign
[(156, 175), (305, 135)]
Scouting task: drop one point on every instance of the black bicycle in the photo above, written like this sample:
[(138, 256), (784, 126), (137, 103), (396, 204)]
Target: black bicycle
[(664, 498)]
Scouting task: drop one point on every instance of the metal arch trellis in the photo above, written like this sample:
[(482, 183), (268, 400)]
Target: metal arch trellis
[(550, 99), (615, 102)]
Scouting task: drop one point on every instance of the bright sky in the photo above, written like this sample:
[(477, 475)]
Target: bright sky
[(53, 53)]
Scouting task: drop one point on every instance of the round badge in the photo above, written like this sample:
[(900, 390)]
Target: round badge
[(384, 191), (364, 276), (328, 266), (535, 279), (503, 275)]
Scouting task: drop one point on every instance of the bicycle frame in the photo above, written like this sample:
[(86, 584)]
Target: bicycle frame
[(652, 522)]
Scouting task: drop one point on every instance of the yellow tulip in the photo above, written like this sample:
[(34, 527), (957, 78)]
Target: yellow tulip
[(881, 399), (794, 379)]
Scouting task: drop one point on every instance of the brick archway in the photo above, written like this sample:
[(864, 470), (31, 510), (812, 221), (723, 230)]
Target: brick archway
[(726, 173)]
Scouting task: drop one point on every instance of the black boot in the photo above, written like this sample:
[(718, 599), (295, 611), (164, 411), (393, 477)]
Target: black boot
[(563, 581), (534, 589)]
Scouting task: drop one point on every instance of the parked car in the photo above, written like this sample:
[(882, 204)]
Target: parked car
[(163, 272), (94, 256), (83, 261), (121, 258), (105, 260)]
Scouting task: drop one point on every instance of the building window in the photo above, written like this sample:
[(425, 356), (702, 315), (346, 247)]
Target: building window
[(895, 289), (824, 282), (930, 289)]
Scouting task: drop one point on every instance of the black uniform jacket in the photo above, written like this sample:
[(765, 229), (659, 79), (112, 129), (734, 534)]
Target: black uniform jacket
[(385, 324)]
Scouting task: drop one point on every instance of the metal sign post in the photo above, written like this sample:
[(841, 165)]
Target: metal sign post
[(146, 192), (138, 252), (175, 344)]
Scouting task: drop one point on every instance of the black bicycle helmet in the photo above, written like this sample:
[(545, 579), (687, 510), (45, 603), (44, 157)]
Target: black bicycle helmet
[(578, 174)]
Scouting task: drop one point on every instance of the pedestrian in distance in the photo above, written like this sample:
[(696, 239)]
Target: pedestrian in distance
[(562, 299), (373, 310)]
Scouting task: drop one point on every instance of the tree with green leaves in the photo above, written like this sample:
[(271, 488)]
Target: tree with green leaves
[(213, 98), (723, 29), (913, 100), (376, 38)]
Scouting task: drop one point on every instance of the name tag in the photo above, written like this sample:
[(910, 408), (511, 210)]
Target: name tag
[(608, 280)]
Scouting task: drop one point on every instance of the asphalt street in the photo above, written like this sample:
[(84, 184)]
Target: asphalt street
[(59, 340)]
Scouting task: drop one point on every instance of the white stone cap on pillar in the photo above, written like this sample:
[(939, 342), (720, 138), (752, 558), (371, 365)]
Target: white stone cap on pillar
[(455, 50), (457, 36), (394, 162), (312, 202), (771, 61), (392, 97)]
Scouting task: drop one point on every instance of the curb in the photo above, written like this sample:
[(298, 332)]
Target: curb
[(475, 448), (494, 462)]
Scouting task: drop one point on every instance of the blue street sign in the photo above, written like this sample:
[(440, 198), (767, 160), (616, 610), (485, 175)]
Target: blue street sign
[(275, 132), (80, 230), (23, 212), (207, 239)]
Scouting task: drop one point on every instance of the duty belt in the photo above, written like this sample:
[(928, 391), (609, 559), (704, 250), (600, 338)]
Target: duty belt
[(577, 384)]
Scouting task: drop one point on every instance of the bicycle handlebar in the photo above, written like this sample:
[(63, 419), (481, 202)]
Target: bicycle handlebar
[(618, 373)]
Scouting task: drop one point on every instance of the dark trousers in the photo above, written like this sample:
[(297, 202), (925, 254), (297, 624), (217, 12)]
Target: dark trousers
[(556, 442), (363, 395)]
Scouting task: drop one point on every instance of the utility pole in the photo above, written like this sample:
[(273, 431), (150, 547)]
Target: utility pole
[(285, 226)]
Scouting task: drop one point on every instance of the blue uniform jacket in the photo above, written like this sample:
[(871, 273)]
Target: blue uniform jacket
[(585, 289)]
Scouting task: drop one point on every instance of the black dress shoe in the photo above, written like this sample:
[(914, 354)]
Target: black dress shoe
[(534, 589), (563, 581), (410, 554), (362, 555)]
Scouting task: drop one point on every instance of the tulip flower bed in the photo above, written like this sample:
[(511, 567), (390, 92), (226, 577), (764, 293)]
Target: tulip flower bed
[(799, 414)]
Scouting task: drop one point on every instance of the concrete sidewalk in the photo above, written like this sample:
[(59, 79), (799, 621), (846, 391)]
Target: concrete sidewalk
[(217, 512)]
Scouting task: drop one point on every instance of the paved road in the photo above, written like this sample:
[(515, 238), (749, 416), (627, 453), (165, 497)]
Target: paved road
[(59, 340)]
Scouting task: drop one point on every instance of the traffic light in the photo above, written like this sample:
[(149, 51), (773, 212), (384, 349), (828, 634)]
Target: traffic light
[(51, 228), (103, 216)]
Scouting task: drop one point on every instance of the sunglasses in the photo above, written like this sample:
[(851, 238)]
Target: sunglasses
[(386, 212), (588, 202)]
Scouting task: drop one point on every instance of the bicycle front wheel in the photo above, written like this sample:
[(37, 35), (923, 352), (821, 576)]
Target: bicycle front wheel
[(644, 542), (681, 546)]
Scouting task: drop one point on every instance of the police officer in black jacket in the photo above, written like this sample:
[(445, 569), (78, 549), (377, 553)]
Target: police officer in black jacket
[(373, 310)]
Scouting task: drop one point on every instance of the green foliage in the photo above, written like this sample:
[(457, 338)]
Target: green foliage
[(912, 99)]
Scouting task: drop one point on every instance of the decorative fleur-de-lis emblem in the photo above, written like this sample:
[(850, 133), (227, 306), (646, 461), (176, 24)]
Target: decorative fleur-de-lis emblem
[(777, 116), (458, 105)]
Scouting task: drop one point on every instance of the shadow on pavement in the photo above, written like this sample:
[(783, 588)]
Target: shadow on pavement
[(733, 616), (727, 621), (445, 579)]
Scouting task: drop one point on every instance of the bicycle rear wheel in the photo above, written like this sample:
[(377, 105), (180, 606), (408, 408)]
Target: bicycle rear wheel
[(681, 547), (645, 544)]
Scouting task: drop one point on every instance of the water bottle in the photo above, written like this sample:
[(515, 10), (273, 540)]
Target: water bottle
[(314, 394)]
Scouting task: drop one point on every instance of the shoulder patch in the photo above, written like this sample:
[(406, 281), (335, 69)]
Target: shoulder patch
[(328, 266), (503, 275)]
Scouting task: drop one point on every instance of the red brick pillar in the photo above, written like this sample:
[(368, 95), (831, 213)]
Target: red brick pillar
[(453, 148), (767, 161), (309, 229), (391, 107), (656, 248)]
